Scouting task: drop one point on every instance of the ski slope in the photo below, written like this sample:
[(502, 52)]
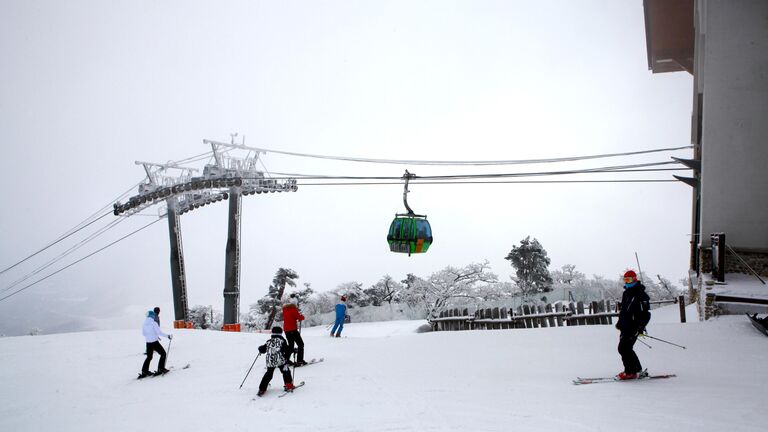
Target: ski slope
[(385, 377)]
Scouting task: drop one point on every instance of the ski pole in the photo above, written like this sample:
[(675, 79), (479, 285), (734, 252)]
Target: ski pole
[(666, 342), (642, 342), (249, 371), (168, 354)]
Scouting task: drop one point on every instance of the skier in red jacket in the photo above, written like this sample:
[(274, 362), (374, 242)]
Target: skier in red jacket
[(291, 318)]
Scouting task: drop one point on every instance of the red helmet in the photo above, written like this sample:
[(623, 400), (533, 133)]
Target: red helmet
[(631, 274), (343, 298)]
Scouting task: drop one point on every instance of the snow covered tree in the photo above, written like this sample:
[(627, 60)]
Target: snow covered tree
[(386, 290), (354, 292), (205, 317), (254, 318), (270, 303), (437, 292), (302, 296), (530, 262), (568, 275)]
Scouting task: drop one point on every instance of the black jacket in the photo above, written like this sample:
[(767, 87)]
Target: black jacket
[(635, 310), (277, 351)]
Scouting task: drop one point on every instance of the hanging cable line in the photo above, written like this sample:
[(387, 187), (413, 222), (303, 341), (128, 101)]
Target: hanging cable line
[(80, 226), (478, 162), (55, 242), (81, 259), (608, 169), (87, 221), (64, 254), (494, 182)]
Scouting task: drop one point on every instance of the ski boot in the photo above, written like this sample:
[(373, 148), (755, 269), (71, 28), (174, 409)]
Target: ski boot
[(289, 387), (626, 376), (161, 372), (261, 393), (301, 363), (144, 375)]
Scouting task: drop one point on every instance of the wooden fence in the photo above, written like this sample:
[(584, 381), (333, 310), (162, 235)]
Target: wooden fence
[(533, 316)]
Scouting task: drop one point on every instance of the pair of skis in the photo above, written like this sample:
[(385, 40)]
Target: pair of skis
[(313, 361), (168, 371), (600, 380), (301, 384)]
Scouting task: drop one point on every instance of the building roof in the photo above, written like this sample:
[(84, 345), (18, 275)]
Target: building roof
[(669, 35)]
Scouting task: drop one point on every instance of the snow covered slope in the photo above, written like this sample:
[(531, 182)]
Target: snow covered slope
[(385, 377)]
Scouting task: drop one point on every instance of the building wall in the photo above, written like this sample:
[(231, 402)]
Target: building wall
[(731, 72)]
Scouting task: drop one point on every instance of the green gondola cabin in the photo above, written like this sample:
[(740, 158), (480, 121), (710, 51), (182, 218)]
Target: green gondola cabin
[(409, 234)]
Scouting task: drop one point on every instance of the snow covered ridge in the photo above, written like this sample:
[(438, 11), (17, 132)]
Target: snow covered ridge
[(385, 377)]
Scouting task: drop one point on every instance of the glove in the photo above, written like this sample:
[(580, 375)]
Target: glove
[(641, 332), (170, 336), (617, 326), (263, 349)]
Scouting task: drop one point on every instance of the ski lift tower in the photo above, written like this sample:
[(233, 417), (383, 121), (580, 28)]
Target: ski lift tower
[(155, 184), (227, 178), (247, 181)]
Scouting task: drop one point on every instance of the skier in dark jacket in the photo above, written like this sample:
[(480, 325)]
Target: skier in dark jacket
[(292, 318), (633, 317), (277, 353)]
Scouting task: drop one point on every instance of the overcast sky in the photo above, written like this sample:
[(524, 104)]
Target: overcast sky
[(89, 87)]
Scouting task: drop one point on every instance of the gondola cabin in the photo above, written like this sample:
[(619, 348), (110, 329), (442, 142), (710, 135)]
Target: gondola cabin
[(409, 234)]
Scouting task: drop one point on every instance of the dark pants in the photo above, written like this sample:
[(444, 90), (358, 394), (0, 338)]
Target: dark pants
[(151, 348), (628, 356), (286, 371), (294, 337)]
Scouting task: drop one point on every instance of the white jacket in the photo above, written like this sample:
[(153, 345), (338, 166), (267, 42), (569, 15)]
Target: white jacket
[(152, 331)]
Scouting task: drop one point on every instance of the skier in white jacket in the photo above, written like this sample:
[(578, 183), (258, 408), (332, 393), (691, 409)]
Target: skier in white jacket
[(152, 334)]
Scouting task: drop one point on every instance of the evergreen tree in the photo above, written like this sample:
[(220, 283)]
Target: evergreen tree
[(530, 262), (270, 303)]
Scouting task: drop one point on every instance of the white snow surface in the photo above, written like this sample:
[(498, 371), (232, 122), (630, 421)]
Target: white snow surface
[(386, 377)]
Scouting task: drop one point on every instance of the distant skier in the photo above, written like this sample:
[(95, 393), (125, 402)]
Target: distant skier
[(291, 318), (341, 313), (633, 317), (152, 334), (277, 351), (157, 315)]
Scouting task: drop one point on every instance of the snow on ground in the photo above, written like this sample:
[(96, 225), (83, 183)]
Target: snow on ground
[(385, 377)]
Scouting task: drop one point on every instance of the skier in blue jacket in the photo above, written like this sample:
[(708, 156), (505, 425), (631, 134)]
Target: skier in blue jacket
[(341, 313)]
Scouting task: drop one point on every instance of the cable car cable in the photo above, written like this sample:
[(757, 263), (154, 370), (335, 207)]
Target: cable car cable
[(80, 260), (478, 162)]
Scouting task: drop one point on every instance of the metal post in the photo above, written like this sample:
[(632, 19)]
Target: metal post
[(178, 275), (232, 263)]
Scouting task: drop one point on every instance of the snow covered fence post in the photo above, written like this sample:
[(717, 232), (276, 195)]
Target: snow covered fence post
[(681, 303), (548, 309), (505, 316), (580, 309)]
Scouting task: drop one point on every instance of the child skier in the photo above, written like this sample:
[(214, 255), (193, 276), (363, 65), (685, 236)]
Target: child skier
[(276, 349), (152, 334), (341, 313), (633, 317)]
